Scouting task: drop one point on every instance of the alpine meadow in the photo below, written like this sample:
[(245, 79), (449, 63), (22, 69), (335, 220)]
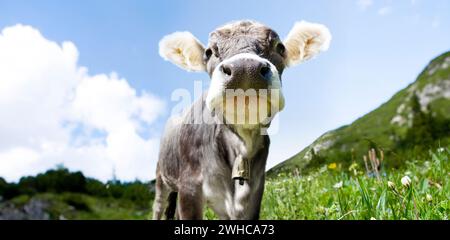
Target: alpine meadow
[(392, 163)]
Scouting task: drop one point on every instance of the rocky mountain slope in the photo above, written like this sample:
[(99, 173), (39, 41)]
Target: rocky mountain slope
[(405, 127)]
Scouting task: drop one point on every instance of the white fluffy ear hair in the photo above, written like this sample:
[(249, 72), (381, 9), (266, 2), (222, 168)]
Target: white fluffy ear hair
[(184, 50), (305, 41)]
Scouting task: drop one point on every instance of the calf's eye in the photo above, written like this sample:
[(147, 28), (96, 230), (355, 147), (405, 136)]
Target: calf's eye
[(281, 49), (207, 54)]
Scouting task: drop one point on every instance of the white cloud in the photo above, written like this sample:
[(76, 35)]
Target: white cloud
[(52, 111), (385, 11), (364, 4)]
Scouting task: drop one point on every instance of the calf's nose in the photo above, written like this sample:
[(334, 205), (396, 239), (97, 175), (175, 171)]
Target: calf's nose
[(247, 73)]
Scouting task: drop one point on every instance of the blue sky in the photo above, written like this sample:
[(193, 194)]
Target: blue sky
[(378, 48)]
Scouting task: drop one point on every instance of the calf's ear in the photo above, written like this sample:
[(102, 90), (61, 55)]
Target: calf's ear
[(183, 50), (305, 41)]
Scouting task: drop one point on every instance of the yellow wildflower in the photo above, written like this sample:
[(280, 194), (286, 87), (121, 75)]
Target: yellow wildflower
[(332, 166)]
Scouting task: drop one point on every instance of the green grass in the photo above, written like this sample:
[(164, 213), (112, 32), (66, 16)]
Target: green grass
[(336, 194)]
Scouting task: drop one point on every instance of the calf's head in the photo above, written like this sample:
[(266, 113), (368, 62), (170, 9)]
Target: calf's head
[(245, 61)]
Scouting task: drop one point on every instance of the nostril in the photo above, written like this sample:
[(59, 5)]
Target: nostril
[(226, 70), (265, 72)]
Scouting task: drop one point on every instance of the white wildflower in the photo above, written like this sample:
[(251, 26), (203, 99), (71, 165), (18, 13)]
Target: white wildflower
[(429, 198), (338, 185), (406, 181), (391, 185)]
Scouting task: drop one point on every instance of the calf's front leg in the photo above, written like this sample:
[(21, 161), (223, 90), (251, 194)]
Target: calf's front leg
[(190, 203)]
